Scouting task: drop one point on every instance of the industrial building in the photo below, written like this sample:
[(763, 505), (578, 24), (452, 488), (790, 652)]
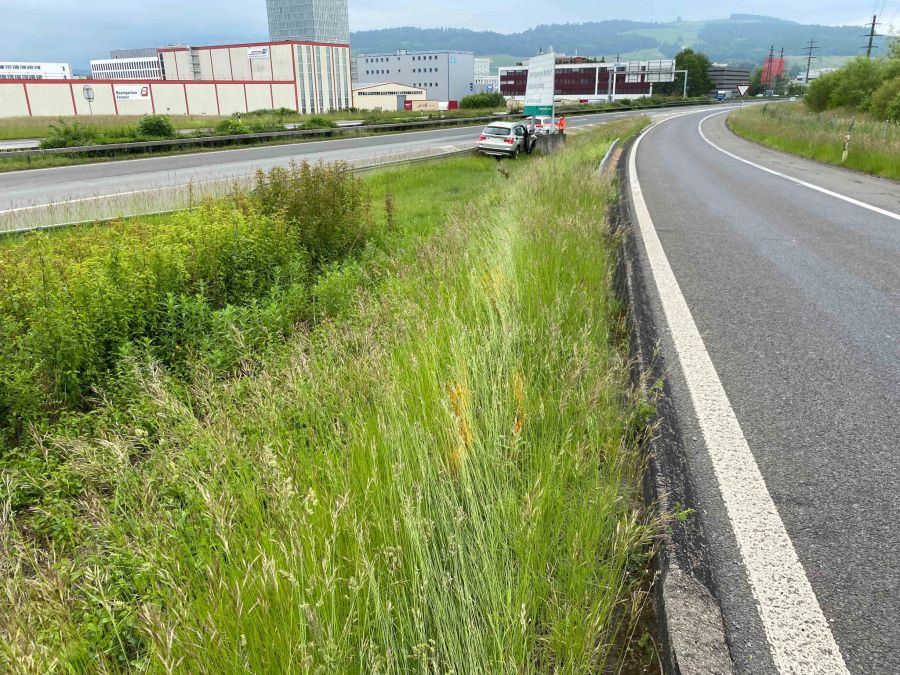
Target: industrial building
[(308, 20), (386, 96), (726, 78), (127, 68), (581, 79), (34, 70), (445, 75), (309, 74), (212, 80)]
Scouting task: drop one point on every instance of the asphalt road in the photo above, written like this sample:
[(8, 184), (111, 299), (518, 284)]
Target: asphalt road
[(796, 294), (57, 185)]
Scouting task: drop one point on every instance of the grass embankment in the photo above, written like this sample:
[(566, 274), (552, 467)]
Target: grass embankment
[(434, 470), (874, 145)]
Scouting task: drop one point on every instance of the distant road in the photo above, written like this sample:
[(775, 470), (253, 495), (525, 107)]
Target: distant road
[(786, 278), (57, 185)]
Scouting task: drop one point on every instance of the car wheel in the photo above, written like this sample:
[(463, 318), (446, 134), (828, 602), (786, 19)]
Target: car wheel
[(515, 154)]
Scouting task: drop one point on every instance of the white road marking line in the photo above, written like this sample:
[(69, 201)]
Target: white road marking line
[(799, 637), (811, 186)]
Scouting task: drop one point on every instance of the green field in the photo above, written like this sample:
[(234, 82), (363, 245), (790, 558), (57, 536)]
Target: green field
[(392, 435), (874, 144)]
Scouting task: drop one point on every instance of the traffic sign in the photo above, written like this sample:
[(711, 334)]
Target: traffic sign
[(743, 89)]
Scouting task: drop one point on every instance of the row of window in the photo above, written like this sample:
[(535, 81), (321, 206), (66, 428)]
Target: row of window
[(126, 65), (425, 84), (18, 66), (388, 93), (400, 70), (386, 59), (22, 77)]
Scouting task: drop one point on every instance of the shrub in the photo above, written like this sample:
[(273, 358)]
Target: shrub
[(325, 204), (70, 135), (318, 122), (818, 95), (484, 100), (884, 98), (158, 126), (231, 127)]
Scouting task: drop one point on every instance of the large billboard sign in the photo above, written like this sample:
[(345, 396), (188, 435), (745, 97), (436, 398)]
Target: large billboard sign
[(257, 53), (541, 85), (132, 92)]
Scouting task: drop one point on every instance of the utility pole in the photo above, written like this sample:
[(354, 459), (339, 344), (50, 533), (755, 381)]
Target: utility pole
[(809, 56), (766, 79), (780, 87), (871, 36)]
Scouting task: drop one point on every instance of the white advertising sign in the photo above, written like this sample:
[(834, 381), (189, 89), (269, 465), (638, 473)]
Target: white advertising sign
[(254, 53), (132, 92), (541, 85)]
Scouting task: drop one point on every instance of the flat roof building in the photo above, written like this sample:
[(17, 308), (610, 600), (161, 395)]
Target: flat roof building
[(445, 75), (319, 71), (727, 78), (311, 20), (581, 79), (128, 68), (386, 96), (34, 70)]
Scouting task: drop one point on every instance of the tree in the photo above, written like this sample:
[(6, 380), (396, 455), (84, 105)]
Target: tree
[(756, 82), (697, 64)]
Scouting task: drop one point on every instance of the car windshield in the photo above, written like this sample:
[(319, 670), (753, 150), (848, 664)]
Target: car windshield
[(496, 131)]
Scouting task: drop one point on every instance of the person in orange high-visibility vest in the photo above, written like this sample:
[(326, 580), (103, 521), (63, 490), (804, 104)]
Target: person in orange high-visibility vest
[(562, 124)]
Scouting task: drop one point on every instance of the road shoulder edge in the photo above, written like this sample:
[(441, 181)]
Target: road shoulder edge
[(818, 162), (690, 619)]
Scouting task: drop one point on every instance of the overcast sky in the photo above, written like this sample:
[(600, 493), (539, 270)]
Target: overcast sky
[(75, 31)]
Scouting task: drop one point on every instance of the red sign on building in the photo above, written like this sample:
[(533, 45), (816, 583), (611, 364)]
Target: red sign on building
[(772, 68)]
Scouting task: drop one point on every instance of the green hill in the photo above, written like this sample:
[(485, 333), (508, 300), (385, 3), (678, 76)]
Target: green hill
[(741, 38)]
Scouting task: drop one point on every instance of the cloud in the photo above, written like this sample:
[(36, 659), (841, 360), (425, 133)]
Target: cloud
[(76, 31)]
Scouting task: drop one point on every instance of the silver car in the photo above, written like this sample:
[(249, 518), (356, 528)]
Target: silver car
[(503, 139)]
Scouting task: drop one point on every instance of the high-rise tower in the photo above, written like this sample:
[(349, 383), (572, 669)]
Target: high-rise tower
[(313, 20)]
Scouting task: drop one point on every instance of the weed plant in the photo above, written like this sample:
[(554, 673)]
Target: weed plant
[(440, 474)]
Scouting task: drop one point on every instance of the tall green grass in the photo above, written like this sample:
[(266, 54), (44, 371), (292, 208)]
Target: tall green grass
[(874, 145), (440, 476)]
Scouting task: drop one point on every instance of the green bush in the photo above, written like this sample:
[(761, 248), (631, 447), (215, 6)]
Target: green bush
[(885, 99), (324, 204), (319, 123), (156, 126), (231, 127), (483, 101), (70, 135)]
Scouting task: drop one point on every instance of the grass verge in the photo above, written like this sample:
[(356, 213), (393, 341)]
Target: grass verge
[(438, 472), (874, 145)]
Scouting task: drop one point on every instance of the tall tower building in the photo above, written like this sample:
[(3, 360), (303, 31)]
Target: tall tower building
[(312, 20)]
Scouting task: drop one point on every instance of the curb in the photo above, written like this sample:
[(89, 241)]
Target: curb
[(604, 163), (690, 618)]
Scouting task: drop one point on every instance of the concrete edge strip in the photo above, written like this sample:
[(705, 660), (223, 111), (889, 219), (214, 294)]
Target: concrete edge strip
[(799, 637), (689, 617), (604, 163), (797, 181)]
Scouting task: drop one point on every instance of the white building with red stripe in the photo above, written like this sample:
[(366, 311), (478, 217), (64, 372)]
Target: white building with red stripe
[(309, 77)]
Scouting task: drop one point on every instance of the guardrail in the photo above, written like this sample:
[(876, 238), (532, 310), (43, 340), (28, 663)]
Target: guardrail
[(242, 139)]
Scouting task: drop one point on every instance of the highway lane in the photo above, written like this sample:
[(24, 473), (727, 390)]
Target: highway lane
[(57, 185), (796, 294)]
